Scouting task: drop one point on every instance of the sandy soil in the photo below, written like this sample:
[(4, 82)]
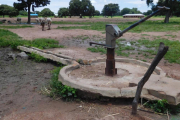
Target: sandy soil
[(21, 99)]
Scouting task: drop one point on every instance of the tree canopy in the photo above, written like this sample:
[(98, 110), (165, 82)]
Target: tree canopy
[(75, 7), (125, 11), (83, 7), (110, 9), (46, 12), (86, 8), (26, 5), (97, 13), (23, 12), (148, 12), (8, 10), (63, 12), (130, 11)]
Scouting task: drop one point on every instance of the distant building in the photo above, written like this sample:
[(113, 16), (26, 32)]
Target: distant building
[(133, 16), (34, 15)]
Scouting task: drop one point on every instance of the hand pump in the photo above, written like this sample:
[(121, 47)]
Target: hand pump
[(112, 33)]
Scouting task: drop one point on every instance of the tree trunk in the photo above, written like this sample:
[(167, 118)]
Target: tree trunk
[(29, 19), (3, 16), (166, 20)]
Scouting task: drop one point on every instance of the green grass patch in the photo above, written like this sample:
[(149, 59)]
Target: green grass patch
[(10, 39), (44, 43), (13, 40), (1, 22), (37, 58), (173, 36), (16, 26), (72, 23), (173, 54), (97, 49), (120, 50), (145, 35), (147, 26), (58, 89), (120, 53)]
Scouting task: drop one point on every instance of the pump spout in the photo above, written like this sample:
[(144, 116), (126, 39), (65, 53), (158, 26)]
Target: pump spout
[(90, 43)]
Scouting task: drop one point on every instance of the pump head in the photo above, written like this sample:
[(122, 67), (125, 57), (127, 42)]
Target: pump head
[(112, 33)]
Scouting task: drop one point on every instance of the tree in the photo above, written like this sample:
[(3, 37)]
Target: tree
[(172, 4), (125, 11), (92, 11), (8, 10), (83, 7), (36, 12), (130, 11), (135, 11), (23, 12), (46, 12), (148, 12), (63, 12), (110, 9), (86, 8), (97, 13), (13, 12), (26, 5), (75, 7)]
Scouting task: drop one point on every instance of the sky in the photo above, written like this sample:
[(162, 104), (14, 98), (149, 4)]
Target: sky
[(98, 4)]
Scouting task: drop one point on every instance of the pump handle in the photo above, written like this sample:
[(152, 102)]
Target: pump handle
[(163, 7), (144, 19)]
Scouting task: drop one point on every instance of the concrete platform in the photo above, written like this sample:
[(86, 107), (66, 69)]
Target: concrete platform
[(91, 78)]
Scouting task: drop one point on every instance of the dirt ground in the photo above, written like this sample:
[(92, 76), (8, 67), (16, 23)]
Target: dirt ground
[(21, 98), (21, 79)]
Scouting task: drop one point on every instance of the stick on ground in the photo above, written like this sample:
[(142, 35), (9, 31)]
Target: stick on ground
[(161, 52)]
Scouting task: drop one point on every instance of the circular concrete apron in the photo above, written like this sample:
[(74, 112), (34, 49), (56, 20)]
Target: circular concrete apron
[(92, 78)]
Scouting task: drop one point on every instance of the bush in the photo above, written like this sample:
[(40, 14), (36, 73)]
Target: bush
[(43, 43), (58, 89), (162, 106), (37, 58)]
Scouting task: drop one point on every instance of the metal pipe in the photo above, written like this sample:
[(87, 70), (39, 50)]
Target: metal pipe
[(90, 43), (144, 19)]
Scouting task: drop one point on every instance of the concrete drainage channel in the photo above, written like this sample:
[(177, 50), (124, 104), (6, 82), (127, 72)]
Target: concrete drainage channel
[(90, 78)]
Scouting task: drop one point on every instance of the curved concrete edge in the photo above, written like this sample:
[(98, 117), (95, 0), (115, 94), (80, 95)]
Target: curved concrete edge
[(158, 70), (64, 78), (104, 91), (49, 55), (157, 87)]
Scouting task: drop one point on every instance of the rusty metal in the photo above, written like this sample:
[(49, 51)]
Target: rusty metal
[(110, 69), (112, 33)]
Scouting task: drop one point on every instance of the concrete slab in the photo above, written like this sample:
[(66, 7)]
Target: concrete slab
[(161, 87)]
